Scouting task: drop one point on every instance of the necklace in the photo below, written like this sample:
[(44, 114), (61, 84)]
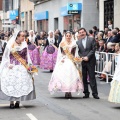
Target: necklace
[(17, 42), (68, 42)]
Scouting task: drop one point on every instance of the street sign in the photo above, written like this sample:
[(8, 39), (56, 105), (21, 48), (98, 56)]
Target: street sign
[(74, 8), (13, 14), (73, 11)]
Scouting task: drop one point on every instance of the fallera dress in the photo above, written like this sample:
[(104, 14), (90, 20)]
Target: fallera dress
[(114, 95), (65, 77), (16, 84)]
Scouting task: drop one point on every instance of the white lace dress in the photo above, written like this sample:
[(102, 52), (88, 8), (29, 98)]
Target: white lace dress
[(16, 84), (65, 77)]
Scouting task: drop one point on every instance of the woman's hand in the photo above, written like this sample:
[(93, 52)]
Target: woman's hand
[(62, 61), (38, 47), (10, 66), (54, 46)]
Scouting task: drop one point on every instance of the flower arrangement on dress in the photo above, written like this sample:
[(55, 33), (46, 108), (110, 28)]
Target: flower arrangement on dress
[(70, 56), (32, 69), (77, 59)]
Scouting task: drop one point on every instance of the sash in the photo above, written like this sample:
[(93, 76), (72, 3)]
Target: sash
[(23, 62), (72, 58)]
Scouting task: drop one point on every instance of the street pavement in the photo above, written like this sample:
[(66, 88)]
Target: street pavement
[(56, 107)]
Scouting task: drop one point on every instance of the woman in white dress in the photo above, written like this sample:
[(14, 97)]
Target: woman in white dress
[(16, 84), (66, 77), (114, 95)]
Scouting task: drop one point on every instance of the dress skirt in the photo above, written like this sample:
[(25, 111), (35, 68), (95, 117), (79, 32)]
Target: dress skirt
[(65, 78), (114, 95), (16, 84), (34, 54), (48, 61)]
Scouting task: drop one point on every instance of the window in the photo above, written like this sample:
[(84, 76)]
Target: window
[(108, 11)]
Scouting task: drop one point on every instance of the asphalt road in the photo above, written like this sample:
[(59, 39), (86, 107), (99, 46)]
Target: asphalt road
[(56, 107)]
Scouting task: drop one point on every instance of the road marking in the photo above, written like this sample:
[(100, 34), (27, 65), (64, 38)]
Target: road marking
[(32, 117), (4, 105)]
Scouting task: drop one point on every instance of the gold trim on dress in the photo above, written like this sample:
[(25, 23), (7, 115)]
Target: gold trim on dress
[(72, 58)]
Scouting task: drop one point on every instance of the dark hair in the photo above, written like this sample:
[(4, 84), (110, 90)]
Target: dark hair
[(18, 35), (106, 32), (102, 41), (114, 32), (106, 26), (64, 31), (73, 32), (90, 31), (68, 32), (117, 29), (94, 27), (109, 30), (83, 29)]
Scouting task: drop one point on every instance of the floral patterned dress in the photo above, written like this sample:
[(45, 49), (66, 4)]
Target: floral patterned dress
[(65, 77), (16, 84)]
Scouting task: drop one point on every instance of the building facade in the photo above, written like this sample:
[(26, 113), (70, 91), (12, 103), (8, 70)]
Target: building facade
[(53, 14), (27, 15), (9, 14), (109, 10), (1, 3)]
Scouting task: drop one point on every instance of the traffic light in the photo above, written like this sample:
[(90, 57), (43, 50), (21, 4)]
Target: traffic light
[(17, 20)]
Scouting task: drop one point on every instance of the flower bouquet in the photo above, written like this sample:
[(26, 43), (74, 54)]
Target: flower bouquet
[(32, 69), (77, 59)]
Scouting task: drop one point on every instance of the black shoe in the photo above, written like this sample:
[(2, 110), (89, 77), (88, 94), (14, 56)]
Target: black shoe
[(12, 106), (96, 96), (86, 96), (110, 79), (69, 95), (66, 95), (51, 70), (17, 105)]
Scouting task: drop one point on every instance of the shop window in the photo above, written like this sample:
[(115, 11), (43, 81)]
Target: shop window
[(42, 25), (55, 23), (66, 22), (72, 22), (77, 21)]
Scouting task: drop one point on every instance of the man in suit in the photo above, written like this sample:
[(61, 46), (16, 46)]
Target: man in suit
[(86, 50)]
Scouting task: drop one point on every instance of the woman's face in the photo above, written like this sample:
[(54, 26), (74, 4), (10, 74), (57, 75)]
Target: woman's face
[(117, 48), (51, 34), (31, 33), (21, 38), (68, 36)]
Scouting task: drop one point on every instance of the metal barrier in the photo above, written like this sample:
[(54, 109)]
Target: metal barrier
[(106, 63)]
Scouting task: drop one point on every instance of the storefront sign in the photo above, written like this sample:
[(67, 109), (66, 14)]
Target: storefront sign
[(63, 11), (41, 15), (74, 8), (13, 14)]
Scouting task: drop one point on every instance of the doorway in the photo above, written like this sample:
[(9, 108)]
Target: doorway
[(55, 23)]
